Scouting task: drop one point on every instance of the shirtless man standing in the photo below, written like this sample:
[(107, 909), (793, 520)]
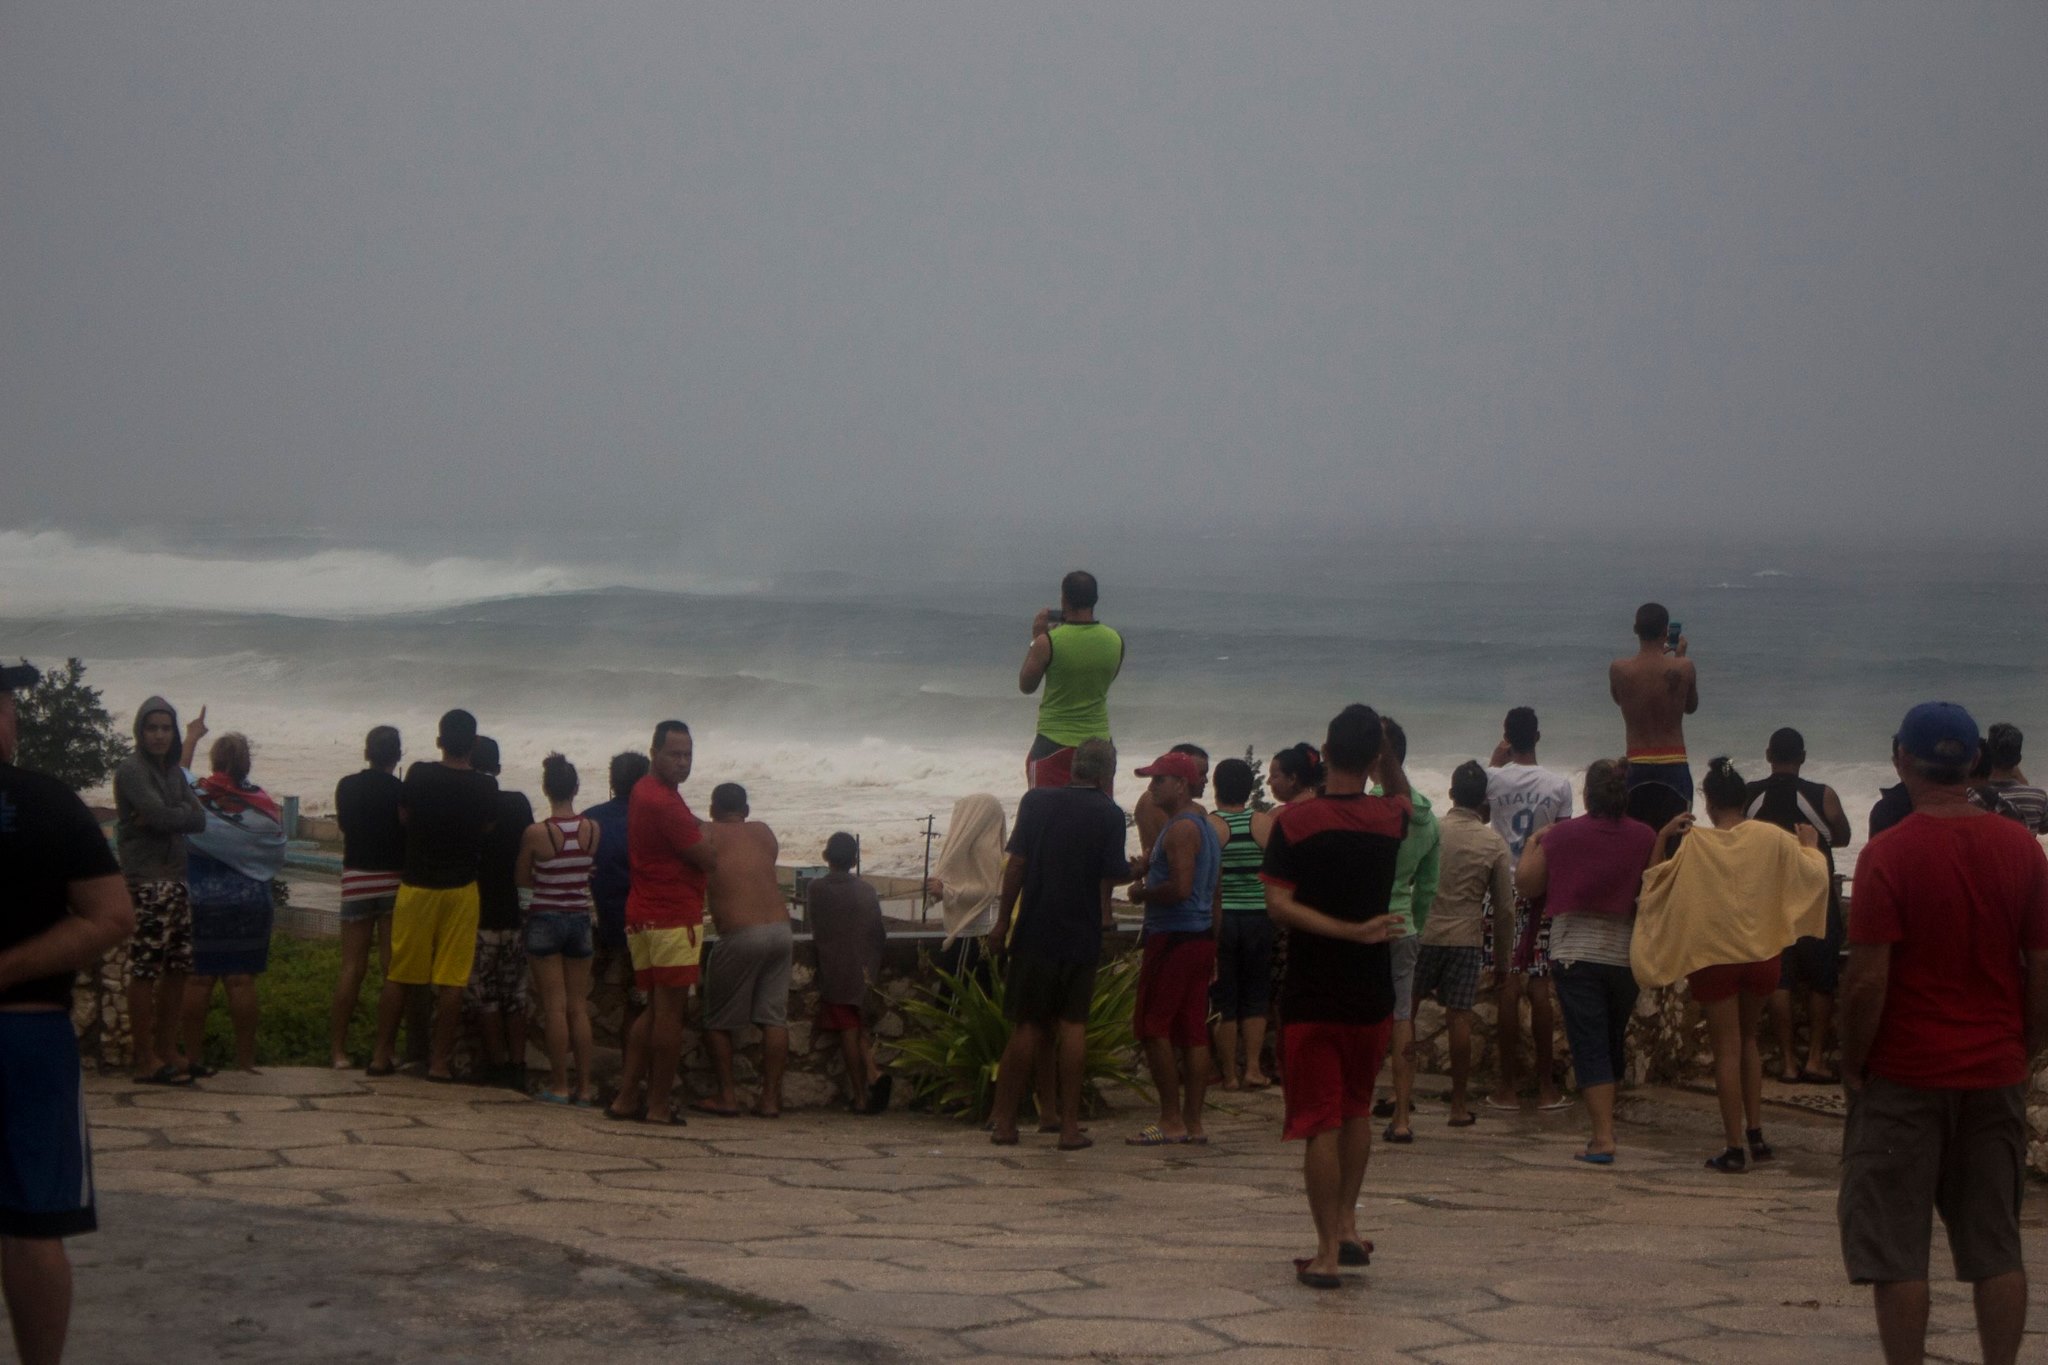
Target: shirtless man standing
[(1656, 688), (747, 981)]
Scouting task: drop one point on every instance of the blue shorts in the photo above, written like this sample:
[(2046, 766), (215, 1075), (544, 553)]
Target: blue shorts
[(45, 1155), (549, 932)]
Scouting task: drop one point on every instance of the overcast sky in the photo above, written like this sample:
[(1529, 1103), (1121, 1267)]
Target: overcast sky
[(746, 267)]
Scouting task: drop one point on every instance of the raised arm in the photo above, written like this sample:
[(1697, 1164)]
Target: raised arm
[(1038, 657)]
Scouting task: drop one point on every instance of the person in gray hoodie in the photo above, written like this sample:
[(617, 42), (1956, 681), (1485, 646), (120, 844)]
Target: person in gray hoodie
[(155, 808)]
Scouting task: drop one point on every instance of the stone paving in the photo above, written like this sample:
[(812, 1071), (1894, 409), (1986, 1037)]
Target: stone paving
[(914, 1233)]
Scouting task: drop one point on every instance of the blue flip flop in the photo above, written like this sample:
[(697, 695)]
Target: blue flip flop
[(1594, 1158)]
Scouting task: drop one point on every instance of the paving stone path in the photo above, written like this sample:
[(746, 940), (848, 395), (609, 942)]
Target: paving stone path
[(913, 1235)]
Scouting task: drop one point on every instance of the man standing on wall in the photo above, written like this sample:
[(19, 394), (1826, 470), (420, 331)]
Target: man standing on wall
[(1076, 657)]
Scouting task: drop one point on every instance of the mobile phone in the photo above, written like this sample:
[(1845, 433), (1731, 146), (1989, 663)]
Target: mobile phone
[(1055, 617), (1671, 636)]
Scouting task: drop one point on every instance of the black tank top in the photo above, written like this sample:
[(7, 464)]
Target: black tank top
[(1789, 802)]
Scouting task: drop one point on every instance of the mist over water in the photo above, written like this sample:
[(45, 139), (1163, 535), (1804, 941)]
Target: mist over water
[(867, 695)]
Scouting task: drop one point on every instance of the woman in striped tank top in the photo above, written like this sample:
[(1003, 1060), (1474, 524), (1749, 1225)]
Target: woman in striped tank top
[(554, 865)]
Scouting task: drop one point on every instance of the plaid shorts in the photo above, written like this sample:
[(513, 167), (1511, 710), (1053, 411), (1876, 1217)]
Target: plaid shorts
[(162, 944), (1450, 973), (498, 980)]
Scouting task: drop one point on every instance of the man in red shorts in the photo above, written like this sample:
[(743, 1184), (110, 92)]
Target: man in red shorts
[(1182, 913), (671, 861), (1329, 873)]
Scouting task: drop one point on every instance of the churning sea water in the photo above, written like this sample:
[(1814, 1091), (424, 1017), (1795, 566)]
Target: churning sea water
[(866, 699)]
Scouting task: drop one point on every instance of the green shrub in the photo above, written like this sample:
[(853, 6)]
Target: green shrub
[(958, 1032), (292, 999)]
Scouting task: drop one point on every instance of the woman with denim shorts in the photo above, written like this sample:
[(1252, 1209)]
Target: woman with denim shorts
[(554, 863)]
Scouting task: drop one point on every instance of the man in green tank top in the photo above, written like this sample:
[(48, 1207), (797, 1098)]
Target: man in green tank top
[(1076, 658)]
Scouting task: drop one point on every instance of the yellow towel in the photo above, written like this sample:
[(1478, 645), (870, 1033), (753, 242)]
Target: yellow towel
[(1727, 895)]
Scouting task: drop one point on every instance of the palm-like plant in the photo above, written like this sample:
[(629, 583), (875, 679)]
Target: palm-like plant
[(957, 1033)]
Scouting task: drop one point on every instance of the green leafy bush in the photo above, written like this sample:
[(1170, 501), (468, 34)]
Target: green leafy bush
[(957, 1033), (66, 732), (293, 998)]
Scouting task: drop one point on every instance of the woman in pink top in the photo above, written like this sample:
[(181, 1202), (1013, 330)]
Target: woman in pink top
[(554, 864), (1591, 869)]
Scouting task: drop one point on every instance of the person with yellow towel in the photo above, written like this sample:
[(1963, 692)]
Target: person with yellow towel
[(1719, 903)]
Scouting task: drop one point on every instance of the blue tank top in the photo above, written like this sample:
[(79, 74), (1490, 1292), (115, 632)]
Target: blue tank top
[(1190, 916)]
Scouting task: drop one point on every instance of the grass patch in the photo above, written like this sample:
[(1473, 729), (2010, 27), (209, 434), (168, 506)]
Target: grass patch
[(292, 999)]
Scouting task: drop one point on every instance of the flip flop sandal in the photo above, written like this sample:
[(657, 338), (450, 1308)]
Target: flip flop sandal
[(700, 1107), (1150, 1136), (1083, 1145), (1312, 1278), (1397, 1137), (637, 1116), (1594, 1158), (1759, 1150), (381, 1071), (1465, 1122), (1354, 1253), (164, 1075), (1561, 1102), (552, 1097), (1730, 1162)]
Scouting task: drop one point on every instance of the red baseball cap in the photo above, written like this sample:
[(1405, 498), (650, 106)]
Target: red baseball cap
[(1186, 767)]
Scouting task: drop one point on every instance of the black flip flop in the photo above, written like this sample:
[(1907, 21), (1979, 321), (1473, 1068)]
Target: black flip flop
[(637, 1116), (389, 1069), (700, 1107), (1465, 1122), (1397, 1137), (1314, 1279), (164, 1075), (1354, 1253)]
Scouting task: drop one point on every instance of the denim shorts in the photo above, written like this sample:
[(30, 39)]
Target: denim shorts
[(564, 932)]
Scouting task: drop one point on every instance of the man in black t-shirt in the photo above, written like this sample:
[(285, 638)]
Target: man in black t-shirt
[(447, 807), (1066, 854), (372, 854), (497, 979), (1329, 874), (63, 903), (1787, 800)]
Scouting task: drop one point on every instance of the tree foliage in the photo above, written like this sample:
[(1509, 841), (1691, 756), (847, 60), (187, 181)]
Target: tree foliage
[(66, 731), (1259, 799)]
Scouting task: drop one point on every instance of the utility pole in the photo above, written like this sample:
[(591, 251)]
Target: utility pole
[(924, 889)]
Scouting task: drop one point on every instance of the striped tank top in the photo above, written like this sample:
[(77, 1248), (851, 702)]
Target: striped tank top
[(1240, 889), (561, 884)]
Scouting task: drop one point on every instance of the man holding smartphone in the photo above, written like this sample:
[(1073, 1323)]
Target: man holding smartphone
[(1076, 657), (1656, 688)]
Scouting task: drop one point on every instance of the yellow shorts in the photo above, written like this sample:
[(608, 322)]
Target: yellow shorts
[(433, 936), (665, 955)]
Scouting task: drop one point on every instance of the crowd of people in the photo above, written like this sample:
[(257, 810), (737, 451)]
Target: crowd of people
[(1288, 943)]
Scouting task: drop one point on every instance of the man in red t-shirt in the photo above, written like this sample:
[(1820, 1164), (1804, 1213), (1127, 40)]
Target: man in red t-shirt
[(670, 861), (1943, 1004), (1329, 875)]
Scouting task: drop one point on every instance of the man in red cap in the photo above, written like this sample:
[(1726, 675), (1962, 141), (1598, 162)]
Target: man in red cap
[(1178, 892)]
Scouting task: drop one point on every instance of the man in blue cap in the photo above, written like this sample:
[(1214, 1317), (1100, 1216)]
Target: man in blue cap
[(65, 904), (1944, 1006)]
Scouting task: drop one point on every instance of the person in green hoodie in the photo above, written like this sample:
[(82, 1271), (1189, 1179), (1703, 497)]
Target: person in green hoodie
[(155, 808), (1415, 878)]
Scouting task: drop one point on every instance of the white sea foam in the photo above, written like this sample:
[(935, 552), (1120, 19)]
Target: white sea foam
[(48, 572)]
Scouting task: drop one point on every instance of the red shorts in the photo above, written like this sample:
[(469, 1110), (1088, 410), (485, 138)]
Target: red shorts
[(838, 1018), (1730, 979), (1173, 989), (1328, 1073)]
